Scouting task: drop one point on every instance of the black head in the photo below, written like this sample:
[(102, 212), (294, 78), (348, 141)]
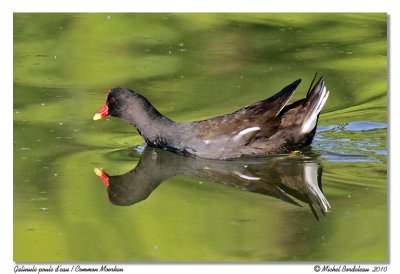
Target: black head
[(121, 102), (130, 106), (117, 101)]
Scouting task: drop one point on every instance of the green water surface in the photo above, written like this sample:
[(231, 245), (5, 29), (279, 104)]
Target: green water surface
[(191, 67)]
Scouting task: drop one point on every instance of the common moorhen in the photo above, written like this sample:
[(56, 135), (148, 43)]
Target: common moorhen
[(269, 126)]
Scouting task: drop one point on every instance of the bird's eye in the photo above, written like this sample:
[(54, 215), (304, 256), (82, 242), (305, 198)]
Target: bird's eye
[(112, 100)]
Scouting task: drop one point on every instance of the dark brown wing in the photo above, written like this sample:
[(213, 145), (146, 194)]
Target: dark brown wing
[(262, 115)]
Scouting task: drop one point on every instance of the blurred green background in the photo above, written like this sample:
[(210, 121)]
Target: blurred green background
[(193, 66)]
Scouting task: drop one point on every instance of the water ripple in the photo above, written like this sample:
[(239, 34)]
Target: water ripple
[(358, 141)]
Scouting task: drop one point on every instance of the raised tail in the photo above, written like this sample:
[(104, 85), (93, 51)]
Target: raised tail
[(316, 99)]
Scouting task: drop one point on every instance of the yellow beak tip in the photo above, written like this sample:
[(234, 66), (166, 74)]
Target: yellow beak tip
[(97, 117)]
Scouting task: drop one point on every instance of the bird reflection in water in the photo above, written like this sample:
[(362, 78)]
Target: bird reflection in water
[(284, 177)]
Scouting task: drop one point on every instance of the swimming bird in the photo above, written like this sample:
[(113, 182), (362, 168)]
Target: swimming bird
[(270, 126)]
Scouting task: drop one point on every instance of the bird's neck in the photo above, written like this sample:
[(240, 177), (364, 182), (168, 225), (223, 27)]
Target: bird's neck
[(154, 127)]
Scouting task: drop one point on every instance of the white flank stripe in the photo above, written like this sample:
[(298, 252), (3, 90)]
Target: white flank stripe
[(245, 131)]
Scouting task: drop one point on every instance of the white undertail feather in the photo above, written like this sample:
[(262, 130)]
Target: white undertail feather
[(311, 119)]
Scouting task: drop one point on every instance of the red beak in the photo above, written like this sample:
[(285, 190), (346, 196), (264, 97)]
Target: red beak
[(102, 176), (103, 112)]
